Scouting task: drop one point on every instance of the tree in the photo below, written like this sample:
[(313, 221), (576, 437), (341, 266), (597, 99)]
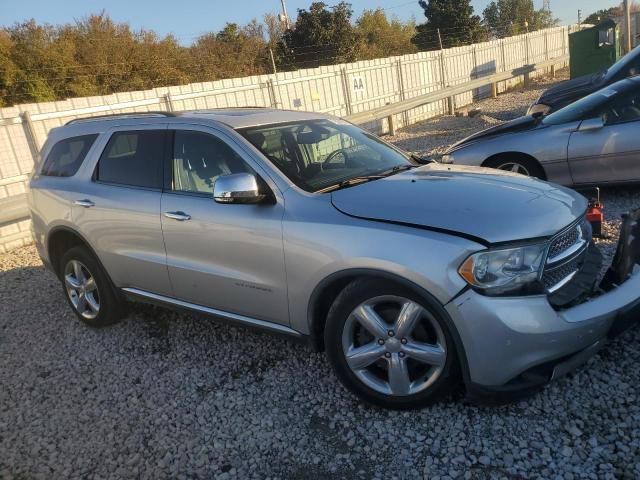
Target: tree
[(380, 37), (504, 18), (601, 15), (321, 36), (455, 20)]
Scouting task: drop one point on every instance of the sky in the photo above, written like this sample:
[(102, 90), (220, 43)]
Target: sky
[(194, 17)]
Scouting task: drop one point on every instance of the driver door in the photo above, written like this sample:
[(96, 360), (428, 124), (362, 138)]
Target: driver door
[(610, 153), (224, 256)]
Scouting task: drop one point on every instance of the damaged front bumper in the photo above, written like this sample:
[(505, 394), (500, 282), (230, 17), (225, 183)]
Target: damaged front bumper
[(518, 344)]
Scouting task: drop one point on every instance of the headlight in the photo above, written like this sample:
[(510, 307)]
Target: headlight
[(538, 108), (504, 270)]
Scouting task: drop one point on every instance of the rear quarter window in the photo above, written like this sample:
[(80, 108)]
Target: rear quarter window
[(67, 155), (133, 158)]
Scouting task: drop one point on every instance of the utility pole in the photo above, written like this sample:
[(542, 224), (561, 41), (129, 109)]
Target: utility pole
[(285, 16), (579, 19), (546, 5), (627, 25)]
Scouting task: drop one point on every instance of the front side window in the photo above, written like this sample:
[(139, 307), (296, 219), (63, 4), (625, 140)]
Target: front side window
[(67, 155), (133, 158), (199, 159), (622, 109), (317, 154)]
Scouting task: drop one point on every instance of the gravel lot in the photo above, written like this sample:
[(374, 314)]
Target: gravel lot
[(167, 395)]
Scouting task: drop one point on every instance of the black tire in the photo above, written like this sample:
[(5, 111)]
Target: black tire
[(111, 305), (352, 296), (532, 167)]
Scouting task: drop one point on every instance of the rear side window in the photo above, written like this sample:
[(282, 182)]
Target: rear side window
[(133, 158), (67, 155)]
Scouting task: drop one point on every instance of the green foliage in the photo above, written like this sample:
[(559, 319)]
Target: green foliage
[(503, 18), (455, 20), (380, 36), (601, 15), (322, 35)]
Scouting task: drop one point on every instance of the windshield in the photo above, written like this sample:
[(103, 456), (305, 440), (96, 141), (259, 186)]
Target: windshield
[(580, 109), (317, 154), (627, 66)]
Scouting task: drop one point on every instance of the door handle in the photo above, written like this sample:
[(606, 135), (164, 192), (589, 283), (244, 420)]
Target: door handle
[(179, 216), (86, 203)]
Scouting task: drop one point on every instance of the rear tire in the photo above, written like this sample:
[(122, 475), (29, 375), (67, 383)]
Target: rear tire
[(88, 289), (390, 346), (517, 164)]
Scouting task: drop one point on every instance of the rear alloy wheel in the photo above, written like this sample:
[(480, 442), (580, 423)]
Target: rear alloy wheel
[(82, 289), (391, 348), (88, 289)]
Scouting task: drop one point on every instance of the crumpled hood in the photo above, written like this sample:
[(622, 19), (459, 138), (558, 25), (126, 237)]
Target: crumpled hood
[(569, 91), (520, 124), (487, 205)]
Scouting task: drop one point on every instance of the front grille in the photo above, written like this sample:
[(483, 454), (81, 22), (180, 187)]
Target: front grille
[(565, 255)]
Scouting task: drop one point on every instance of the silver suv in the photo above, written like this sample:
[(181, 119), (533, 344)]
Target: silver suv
[(412, 276)]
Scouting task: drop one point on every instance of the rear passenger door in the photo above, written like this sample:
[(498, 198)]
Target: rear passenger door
[(224, 256), (118, 210)]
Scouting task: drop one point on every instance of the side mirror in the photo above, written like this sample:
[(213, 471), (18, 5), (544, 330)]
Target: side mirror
[(591, 125), (237, 188)]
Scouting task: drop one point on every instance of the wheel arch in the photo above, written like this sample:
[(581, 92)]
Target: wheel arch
[(510, 155), (60, 240), (325, 293)]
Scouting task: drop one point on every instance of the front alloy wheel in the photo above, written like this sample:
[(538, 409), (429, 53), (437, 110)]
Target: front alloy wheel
[(390, 345), (394, 346)]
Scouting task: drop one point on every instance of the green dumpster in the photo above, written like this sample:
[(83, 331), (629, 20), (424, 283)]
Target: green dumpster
[(594, 49)]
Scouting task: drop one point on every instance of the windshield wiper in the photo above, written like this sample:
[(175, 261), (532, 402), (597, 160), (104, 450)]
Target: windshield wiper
[(350, 182)]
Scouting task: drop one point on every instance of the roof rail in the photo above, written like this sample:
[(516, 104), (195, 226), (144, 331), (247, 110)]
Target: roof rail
[(126, 114)]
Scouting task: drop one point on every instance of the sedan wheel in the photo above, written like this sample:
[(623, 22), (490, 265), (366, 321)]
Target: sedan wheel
[(82, 289), (514, 167)]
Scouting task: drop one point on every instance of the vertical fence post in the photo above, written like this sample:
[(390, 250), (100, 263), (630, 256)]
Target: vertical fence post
[(272, 93), (168, 102), (405, 115), (504, 60), (527, 62), (30, 133), (346, 90), (451, 101)]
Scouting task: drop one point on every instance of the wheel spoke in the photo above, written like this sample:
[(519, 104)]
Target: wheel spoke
[(77, 271), (91, 303), (515, 168), (426, 353), (369, 319), (399, 380), (71, 282), (82, 303), (361, 357), (90, 284), (407, 319)]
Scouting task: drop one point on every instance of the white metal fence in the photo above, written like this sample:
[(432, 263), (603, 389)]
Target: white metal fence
[(341, 90)]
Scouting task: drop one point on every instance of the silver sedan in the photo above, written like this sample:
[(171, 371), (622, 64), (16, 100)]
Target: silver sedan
[(595, 140)]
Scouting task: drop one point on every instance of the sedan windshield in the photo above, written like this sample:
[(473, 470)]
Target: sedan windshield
[(321, 154), (580, 109), (627, 66)]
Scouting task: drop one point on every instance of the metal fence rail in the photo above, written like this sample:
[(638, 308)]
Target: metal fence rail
[(13, 209)]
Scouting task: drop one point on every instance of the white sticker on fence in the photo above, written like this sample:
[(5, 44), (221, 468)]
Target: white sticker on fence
[(358, 84)]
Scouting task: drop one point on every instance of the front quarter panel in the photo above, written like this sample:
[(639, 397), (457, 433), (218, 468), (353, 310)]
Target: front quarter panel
[(548, 145), (319, 242)]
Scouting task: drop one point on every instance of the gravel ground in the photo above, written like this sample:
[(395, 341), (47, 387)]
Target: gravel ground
[(167, 395)]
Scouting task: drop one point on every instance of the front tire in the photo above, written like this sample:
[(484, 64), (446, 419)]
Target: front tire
[(88, 289), (390, 346)]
